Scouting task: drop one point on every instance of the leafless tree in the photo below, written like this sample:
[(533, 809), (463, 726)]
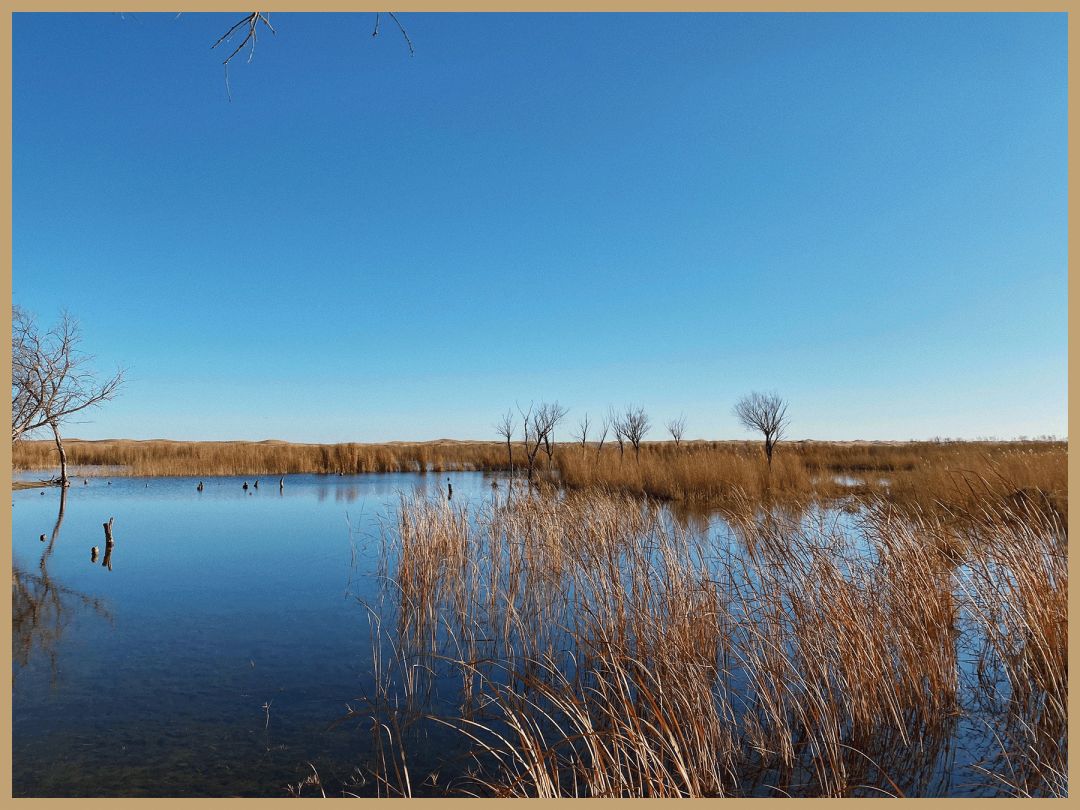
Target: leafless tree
[(765, 413), (583, 433), (618, 427), (539, 427), (635, 425), (51, 379), (676, 427), (548, 417), (605, 426), (505, 428)]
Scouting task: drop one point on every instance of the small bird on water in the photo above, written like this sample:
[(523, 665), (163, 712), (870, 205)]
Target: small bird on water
[(449, 489), (245, 486), (256, 483), (199, 487)]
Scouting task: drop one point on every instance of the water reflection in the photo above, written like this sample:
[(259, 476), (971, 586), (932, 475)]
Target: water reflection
[(479, 605), (839, 646), (42, 608)]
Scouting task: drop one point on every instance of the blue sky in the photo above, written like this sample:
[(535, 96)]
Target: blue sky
[(865, 213)]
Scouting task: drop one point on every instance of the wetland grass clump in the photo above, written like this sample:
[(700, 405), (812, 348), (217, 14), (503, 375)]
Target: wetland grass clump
[(604, 649)]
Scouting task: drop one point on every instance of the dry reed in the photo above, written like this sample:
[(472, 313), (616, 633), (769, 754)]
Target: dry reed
[(920, 476), (604, 649)]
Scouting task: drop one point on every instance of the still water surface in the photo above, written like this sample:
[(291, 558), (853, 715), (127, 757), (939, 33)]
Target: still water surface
[(215, 654), (215, 651)]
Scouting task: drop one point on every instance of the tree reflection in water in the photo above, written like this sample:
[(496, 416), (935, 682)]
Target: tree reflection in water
[(41, 608)]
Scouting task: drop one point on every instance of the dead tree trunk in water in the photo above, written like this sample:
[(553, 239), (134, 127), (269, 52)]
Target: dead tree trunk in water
[(63, 454), (106, 561)]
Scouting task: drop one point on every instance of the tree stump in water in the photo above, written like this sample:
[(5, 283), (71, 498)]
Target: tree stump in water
[(108, 533)]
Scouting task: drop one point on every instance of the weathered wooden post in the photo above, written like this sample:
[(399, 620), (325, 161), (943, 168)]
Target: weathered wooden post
[(108, 533), (93, 554)]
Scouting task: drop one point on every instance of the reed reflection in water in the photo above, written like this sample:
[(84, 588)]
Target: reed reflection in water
[(601, 648)]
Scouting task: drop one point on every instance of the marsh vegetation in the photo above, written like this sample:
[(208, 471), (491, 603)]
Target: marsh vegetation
[(602, 648), (703, 473), (684, 620)]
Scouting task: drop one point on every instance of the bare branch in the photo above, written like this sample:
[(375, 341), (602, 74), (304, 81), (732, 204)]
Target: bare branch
[(401, 28), (251, 21)]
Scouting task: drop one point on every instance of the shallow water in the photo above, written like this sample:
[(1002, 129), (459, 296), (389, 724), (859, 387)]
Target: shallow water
[(214, 652)]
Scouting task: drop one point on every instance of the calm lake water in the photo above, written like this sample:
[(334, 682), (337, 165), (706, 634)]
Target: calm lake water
[(214, 655), (217, 651)]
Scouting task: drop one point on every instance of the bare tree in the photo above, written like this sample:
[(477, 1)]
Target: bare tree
[(533, 439), (618, 427), (583, 433), (505, 428), (539, 427), (765, 413), (51, 379), (675, 428), (604, 427), (547, 417), (635, 425)]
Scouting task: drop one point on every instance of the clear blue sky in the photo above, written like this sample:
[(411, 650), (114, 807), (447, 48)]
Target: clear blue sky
[(865, 213)]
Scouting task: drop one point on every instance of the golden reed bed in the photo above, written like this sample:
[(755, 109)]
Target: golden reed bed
[(924, 474), (602, 650)]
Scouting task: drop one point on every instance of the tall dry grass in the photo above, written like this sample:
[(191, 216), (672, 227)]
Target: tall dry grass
[(167, 458), (921, 476), (603, 649)]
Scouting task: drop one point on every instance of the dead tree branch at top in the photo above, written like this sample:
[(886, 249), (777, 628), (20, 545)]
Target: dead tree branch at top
[(401, 28), (251, 21)]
